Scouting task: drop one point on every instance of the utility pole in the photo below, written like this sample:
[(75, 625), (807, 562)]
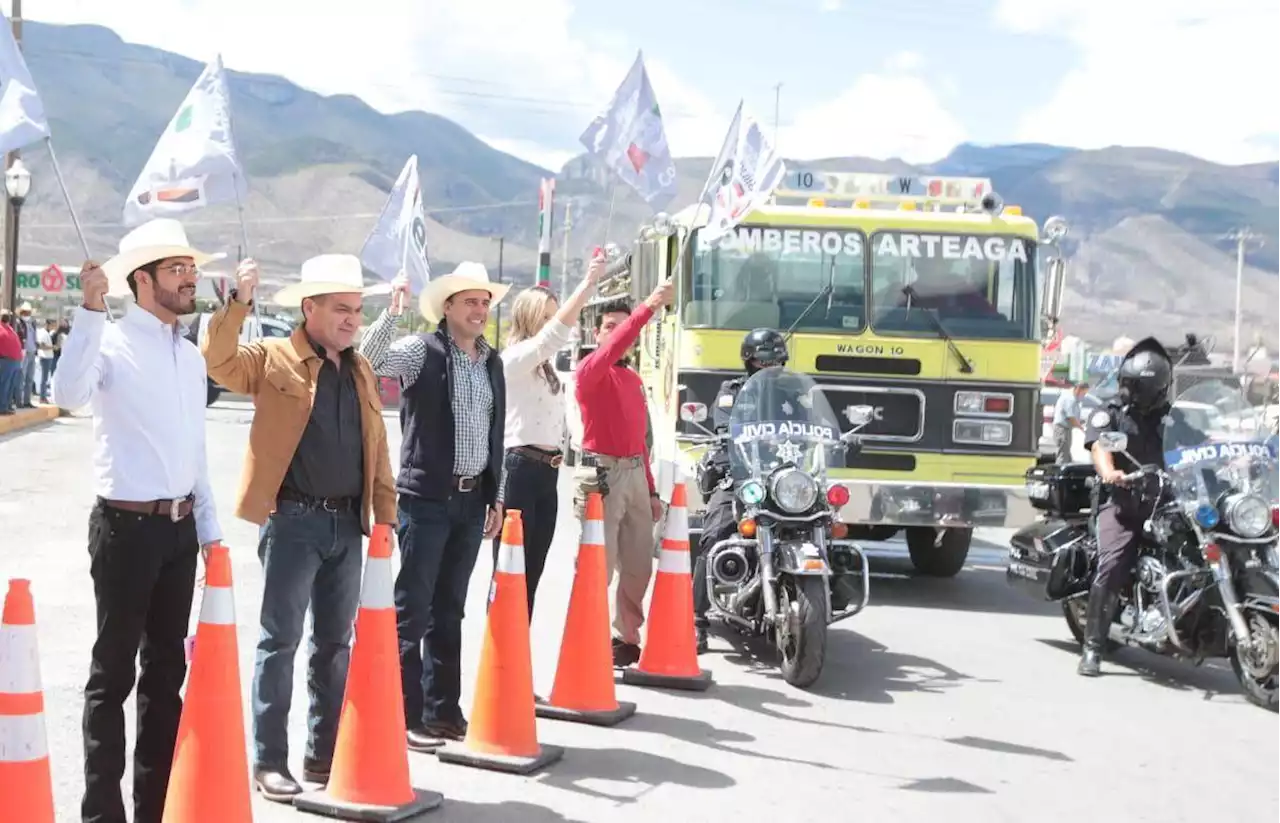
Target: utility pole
[(777, 108), (564, 254), (10, 296), (1241, 238)]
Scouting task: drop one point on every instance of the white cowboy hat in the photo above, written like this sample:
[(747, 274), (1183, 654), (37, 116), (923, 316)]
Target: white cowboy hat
[(465, 277), (24, 307), (154, 240), (326, 274)]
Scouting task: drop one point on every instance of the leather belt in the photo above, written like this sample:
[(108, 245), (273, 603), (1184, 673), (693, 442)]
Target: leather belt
[(466, 484), (608, 461), (329, 504), (175, 510), (552, 459)]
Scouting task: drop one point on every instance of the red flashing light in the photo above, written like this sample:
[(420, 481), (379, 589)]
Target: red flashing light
[(1212, 552), (837, 495)]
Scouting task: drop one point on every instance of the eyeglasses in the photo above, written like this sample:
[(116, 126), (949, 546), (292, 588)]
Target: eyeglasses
[(180, 269)]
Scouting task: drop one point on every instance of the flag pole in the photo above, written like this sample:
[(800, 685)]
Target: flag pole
[(75, 221)]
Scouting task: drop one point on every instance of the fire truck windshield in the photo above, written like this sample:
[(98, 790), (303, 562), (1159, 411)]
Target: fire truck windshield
[(766, 277), (978, 286)]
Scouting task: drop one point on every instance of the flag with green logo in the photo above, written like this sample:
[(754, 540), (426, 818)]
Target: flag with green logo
[(194, 164)]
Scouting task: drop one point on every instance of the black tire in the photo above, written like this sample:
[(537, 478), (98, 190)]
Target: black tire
[(943, 560), (1260, 691), (1073, 611), (215, 391), (803, 657)]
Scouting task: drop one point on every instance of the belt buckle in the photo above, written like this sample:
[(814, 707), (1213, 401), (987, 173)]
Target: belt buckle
[(328, 505), (466, 484), (175, 510)]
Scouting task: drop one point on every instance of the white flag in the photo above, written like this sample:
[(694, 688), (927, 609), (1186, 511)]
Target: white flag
[(194, 164), (744, 174), (22, 120), (399, 239)]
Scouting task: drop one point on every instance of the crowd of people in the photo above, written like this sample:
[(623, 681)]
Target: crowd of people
[(29, 353), (481, 432)]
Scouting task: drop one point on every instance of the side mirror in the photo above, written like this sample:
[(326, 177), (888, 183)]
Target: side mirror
[(859, 415), (693, 412), (1113, 441), (1055, 281)]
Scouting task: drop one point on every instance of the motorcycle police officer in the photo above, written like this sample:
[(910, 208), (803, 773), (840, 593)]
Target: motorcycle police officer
[(761, 348), (1140, 410)]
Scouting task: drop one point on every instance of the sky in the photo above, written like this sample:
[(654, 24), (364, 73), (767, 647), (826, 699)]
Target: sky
[(876, 78)]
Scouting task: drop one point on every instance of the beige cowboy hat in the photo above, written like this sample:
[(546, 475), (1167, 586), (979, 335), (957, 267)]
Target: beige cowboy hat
[(326, 274), (465, 277), (25, 307), (154, 240)]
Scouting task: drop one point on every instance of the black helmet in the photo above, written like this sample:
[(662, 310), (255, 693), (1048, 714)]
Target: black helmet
[(1145, 376), (767, 347)]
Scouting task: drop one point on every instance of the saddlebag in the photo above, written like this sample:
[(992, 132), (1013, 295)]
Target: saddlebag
[(1052, 559), (1061, 490)]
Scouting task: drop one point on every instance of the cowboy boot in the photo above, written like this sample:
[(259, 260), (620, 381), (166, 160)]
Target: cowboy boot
[(1098, 617)]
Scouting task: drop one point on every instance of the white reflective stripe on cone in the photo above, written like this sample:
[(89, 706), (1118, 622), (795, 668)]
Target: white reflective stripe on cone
[(510, 559), (218, 606), (676, 562), (22, 738), (19, 660), (677, 523), (377, 591), (593, 533)]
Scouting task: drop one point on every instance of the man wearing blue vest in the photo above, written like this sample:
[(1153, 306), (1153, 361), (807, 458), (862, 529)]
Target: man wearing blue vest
[(452, 413)]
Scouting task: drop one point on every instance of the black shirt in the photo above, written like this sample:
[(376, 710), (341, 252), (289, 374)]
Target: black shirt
[(1146, 433), (329, 461)]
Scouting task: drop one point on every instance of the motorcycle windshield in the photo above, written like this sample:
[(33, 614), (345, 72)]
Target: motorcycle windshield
[(1217, 445), (782, 418)]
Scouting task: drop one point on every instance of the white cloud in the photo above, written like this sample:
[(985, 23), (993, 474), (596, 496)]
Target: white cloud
[(895, 113), (514, 72), (831, 5), (1191, 75)]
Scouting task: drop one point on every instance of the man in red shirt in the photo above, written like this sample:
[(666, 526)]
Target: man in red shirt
[(616, 462)]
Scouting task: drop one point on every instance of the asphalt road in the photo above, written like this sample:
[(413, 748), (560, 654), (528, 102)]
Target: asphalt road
[(945, 700)]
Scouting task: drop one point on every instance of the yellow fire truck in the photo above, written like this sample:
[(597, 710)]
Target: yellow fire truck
[(917, 296)]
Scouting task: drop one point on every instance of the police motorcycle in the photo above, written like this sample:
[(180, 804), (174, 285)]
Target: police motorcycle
[(1205, 584), (785, 575)]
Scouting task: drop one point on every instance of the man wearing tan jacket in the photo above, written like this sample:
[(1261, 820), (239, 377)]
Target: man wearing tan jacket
[(317, 472)]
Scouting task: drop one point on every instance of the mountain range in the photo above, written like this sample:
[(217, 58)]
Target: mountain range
[(1147, 242)]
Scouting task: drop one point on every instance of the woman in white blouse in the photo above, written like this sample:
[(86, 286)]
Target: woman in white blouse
[(535, 414)]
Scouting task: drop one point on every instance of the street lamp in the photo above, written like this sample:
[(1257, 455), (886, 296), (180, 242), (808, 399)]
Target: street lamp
[(17, 184)]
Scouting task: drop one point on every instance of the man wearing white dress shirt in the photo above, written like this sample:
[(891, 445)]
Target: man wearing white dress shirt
[(154, 511)]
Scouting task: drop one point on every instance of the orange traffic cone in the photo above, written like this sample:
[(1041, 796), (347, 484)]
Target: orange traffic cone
[(583, 691), (369, 779), (502, 734), (26, 785), (210, 777), (669, 658)]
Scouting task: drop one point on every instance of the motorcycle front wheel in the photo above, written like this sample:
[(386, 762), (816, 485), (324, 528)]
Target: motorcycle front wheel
[(1256, 668), (802, 635)]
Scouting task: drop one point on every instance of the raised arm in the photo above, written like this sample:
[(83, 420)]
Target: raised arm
[(232, 365), (527, 354), (81, 370), (596, 364), (402, 359)]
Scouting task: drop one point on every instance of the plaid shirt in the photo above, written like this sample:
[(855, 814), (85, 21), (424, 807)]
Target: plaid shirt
[(472, 399), (472, 402)]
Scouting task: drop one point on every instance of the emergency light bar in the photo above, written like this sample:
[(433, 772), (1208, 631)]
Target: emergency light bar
[(809, 185)]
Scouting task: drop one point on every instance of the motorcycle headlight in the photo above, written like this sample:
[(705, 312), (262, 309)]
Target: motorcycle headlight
[(1248, 515), (794, 491)]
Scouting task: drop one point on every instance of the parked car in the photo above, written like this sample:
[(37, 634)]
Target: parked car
[(254, 327)]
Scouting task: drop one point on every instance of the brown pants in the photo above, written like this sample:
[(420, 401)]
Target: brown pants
[(628, 536)]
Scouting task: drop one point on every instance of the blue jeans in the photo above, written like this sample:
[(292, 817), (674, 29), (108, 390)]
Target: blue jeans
[(10, 373), (439, 543), (308, 555), (46, 377), (28, 378)]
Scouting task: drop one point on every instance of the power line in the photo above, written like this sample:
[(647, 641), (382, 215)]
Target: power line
[(302, 219)]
